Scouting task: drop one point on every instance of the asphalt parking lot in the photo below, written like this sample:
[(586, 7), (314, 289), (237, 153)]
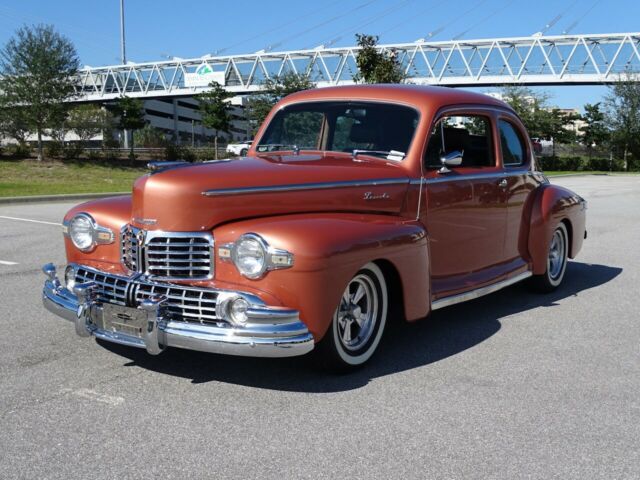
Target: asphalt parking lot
[(513, 385)]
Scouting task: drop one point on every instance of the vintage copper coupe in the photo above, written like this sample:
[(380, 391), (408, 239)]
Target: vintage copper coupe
[(351, 200)]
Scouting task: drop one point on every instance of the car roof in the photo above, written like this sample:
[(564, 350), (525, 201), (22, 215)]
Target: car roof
[(418, 95)]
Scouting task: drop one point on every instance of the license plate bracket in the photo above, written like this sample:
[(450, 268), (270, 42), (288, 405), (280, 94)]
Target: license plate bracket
[(119, 319)]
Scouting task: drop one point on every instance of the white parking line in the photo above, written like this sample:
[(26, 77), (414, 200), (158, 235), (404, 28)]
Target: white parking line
[(29, 220), (95, 396), (4, 262)]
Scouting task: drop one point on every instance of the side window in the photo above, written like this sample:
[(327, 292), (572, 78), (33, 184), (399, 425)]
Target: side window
[(468, 134), (512, 144)]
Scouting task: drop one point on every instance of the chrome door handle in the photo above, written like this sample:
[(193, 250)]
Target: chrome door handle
[(503, 183)]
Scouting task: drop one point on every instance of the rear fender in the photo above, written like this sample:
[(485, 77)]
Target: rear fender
[(328, 251), (554, 204)]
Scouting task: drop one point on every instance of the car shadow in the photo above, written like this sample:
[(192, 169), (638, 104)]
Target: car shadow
[(405, 345)]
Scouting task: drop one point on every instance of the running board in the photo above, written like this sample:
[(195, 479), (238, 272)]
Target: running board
[(479, 292)]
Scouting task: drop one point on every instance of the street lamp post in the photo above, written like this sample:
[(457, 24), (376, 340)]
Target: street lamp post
[(123, 56)]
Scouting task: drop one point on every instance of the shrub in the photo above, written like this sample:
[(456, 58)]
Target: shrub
[(94, 155), (177, 152), (21, 150), (72, 151), (53, 149)]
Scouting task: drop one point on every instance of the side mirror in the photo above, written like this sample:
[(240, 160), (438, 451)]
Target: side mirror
[(451, 159)]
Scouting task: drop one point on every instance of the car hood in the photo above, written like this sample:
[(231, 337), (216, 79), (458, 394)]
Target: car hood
[(201, 196)]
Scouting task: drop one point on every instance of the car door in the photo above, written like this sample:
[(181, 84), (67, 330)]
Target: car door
[(466, 212), (516, 157)]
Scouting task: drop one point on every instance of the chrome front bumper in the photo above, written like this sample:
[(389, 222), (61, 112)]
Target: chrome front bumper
[(268, 332)]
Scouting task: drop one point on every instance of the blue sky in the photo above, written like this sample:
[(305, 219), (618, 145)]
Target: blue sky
[(192, 28)]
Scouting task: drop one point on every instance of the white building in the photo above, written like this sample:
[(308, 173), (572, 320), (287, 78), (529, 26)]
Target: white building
[(180, 119)]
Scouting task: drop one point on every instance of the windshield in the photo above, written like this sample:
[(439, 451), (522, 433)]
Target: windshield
[(370, 128)]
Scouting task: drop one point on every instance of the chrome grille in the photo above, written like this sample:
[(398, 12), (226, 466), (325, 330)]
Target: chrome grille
[(184, 303), (111, 289), (130, 248), (185, 257), (167, 255), (187, 304)]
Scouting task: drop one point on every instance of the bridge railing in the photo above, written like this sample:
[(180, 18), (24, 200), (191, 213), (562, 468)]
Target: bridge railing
[(536, 60)]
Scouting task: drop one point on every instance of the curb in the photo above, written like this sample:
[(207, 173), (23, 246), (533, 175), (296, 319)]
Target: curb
[(58, 198)]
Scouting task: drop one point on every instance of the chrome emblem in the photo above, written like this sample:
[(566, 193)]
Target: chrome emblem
[(376, 196), (124, 317), (145, 221)]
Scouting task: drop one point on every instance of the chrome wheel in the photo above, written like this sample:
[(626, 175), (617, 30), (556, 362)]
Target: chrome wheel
[(358, 312), (358, 321), (557, 255)]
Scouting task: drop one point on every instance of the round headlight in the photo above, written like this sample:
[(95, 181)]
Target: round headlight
[(82, 231), (250, 256)]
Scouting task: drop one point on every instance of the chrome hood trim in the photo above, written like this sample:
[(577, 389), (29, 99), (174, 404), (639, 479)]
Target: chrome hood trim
[(304, 186)]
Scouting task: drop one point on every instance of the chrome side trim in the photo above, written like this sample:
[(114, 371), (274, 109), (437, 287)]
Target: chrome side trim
[(479, 292), (471, 176), (304, 186)]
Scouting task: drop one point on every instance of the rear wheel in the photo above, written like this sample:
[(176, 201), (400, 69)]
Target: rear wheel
[(243, 152), (358, 322), (556, 261)]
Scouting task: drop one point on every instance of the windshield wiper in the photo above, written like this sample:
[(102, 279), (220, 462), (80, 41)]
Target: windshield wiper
[(389, 154)]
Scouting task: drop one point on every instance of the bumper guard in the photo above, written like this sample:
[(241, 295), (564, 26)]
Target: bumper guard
[(268, 332)]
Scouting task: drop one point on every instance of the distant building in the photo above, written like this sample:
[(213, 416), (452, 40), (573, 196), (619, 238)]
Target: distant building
[(575, 126), (180, 121)]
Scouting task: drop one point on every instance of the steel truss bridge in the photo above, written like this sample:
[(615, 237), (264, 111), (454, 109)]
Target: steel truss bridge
[(535, 60)]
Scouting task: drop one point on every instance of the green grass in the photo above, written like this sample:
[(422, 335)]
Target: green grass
[(30, 177)]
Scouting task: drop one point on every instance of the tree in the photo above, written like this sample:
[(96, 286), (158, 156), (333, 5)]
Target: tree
[(150, 137), (376, 66), (37, 70), (13, 123), (216, 111), (130, 113), (622, 110), (595, 131), (541, 120), (274, 90), (88, 121)]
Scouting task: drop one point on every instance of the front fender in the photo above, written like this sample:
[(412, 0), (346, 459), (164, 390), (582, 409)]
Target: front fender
[(554, 204), (328, 251), (113, 213)]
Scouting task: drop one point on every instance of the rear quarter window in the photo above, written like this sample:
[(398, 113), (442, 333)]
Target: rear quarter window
[(512, 144)]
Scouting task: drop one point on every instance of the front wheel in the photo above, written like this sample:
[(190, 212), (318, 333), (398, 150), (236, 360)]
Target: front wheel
[(556, 262), (358, 322), (243, 152)]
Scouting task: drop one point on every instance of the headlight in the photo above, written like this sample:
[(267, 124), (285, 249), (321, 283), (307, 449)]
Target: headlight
[(250, 256), (253, 256), (82, 231), (85, 233)]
